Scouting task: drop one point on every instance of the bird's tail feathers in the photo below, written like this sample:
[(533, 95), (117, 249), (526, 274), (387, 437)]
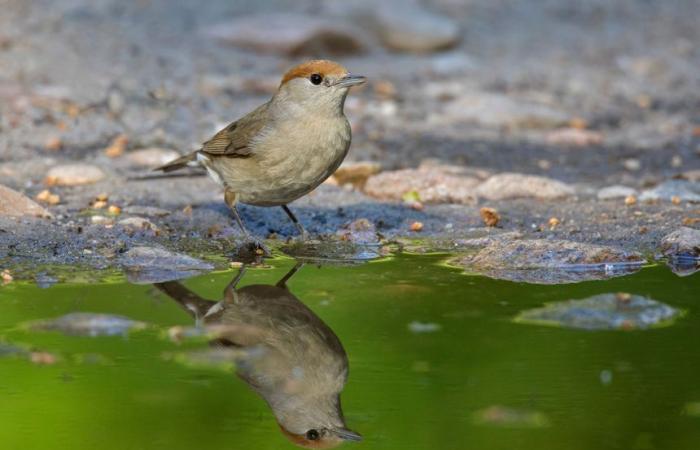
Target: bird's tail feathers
[(179, 163)]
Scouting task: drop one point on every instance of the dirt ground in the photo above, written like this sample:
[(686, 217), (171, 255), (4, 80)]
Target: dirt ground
[(592, 93)]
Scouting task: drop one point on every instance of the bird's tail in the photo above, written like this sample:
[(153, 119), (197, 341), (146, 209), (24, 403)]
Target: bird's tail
[(178, 163)]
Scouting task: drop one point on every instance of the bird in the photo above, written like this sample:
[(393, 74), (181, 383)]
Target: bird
[(283, 351), (286, 147)]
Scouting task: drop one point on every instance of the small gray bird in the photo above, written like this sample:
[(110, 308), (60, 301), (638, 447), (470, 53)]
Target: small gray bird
[(284, 352), (285, 148)]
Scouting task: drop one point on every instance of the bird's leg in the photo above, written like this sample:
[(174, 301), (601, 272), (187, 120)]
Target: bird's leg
[(296, 222), (231, 198), (283, 282), (230, 291)]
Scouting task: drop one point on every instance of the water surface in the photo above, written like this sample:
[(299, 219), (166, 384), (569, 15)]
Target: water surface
[(435, 362)]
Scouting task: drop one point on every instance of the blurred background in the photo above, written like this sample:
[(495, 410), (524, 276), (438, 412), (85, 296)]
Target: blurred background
[(464, 81)]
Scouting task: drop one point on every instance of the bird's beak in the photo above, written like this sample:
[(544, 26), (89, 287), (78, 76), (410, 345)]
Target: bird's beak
[(347, 435), (350, 80)]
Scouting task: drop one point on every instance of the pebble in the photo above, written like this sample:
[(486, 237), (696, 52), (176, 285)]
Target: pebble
[(681, 243), (423, 327), (138, 223), (356, 173), (490, 216), (15, 204), (632, 164), (685, 191), (117, 146), (151, 157), (146, 265), (611, 311), (47, 197), (412, 28), (615, 192), (514, 185), (360, 231), (499, 111), (544, 261), (288, 34), (89, 324), (431, 184), (574, 137), (73, 175), (509, 417)]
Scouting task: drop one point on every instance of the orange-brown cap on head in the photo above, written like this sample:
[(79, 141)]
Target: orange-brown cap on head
[(322, 67)]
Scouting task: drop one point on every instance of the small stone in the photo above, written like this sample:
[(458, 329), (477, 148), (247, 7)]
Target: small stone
[(89, 324), (73, 175), (676, 200), (6, 276), (432, 184), (544, 164), (47, 197), (53, 144), (632, 164), (603, 312), (507, 417), (14, 204), (423, 327), (411, 28), (416, 226), (514, 185), (490, 216), (139, 223), (361, 231), (499, 111), (574, 137), (145, 265), (101, 220), (117, 146), (385, 89), (288, 33), (151, 157), (545, 261), (676, 161), (43, 358), (630, 200), (356, 173), (616, 191), (686, 191), (681, 243)]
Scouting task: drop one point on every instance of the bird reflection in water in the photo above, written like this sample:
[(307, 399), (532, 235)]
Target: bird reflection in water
[(283, 351)]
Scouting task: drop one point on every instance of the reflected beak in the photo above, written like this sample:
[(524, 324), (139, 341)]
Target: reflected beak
[(350, 80), (344, 434)]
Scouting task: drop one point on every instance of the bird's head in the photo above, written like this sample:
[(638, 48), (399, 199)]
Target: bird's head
[(314, 421), (321, 437), (317, 85)]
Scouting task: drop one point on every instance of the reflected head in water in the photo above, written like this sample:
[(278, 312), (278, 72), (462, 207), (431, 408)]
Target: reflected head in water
[(283, 351)]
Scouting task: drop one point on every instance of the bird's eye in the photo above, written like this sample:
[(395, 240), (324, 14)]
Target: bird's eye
[(316, 78), (313, 435)]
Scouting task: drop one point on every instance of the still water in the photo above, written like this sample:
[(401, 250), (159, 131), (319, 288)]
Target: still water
[(406, 352)]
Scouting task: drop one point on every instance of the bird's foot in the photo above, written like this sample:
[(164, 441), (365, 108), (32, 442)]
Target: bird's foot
[(251, 251)]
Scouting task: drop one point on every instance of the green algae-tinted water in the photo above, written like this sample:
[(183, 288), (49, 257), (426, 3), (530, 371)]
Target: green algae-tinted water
[(436, 362)]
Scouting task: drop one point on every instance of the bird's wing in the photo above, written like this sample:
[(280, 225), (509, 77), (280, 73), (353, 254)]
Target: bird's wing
[(235, 139)]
